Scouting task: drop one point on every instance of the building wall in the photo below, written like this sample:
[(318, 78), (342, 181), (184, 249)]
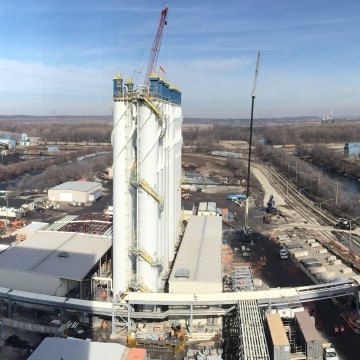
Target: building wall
[(189, 287), (70, 195), (32, 282)]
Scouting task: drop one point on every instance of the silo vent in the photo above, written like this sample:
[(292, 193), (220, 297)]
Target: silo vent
[(63, 254)]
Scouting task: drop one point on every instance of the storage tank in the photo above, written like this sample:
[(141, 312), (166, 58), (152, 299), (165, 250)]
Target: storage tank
[(147, 173), (148, 207), (278, 342), (122, 222), (307, 336)]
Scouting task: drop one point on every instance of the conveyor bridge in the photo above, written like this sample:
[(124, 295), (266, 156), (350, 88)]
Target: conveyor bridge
[(164, 305)]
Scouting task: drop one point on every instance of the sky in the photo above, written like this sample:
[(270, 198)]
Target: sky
[(59, 57)]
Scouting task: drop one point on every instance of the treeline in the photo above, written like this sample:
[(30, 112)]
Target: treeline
[(11, 171), (330, 159), (63, 131), (199, 137), (310, 133), (313, 177), (54, 174)]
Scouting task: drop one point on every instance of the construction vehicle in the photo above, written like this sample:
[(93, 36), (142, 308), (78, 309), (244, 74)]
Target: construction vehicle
[(271, 208), (16, 223)]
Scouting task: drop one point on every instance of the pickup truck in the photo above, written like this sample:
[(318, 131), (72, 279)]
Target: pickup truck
[(283, 253), (345, 225), (329, 352)]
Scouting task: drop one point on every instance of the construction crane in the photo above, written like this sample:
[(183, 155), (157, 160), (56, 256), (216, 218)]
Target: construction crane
[(155, 49), (253, 94)]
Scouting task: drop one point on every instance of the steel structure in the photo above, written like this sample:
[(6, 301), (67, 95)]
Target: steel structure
[(252, 336), (189, 306), (92, 223), (155, 49)]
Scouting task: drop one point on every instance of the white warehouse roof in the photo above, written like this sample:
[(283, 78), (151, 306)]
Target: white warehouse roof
[(59, 348), (61, 255), (198, 265), (85, 186)]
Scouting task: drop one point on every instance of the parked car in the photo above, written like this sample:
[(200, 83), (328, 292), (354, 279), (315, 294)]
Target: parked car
[(283, 253)]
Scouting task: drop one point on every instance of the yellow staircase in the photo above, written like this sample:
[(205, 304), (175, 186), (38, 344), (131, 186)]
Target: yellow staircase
[(146, 187), (144, 255), (157, 112)]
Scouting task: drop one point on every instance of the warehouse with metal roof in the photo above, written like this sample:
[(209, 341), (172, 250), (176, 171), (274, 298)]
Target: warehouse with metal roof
[(76, 192), (54, 263), (197, 267), (60, 348)]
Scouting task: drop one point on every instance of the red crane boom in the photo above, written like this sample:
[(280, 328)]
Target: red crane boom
[(155, 49)]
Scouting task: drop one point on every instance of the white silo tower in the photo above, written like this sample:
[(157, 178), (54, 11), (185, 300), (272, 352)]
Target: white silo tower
[(147, 171)]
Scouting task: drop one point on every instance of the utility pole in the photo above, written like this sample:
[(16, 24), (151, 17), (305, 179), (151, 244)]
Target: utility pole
[(253, 95)]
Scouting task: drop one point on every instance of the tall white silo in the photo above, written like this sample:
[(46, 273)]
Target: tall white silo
[(149, 201), (123, 130)]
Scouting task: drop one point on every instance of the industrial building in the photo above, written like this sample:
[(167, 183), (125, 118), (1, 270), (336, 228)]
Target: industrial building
[(197, 268), (147, 175), (79, 192), (11, 208), (54, 263), (352, 149), (60, 348)]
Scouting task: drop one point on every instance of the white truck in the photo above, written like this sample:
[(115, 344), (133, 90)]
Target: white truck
[(329, 352)]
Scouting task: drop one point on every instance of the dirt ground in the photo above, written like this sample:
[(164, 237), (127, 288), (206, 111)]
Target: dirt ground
[(264, 257)]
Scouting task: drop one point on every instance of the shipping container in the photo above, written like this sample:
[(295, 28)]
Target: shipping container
[(278, 342), (307, 336)]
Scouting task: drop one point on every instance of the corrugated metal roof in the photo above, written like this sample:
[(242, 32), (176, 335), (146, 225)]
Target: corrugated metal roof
[(59, 224), (60, 348), (33, 226), (200, 250), (77, 186), (39, 254)]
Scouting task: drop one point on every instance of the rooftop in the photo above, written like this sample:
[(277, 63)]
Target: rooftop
[(199, 256), (63, 255), (77, 186), (60, 348)]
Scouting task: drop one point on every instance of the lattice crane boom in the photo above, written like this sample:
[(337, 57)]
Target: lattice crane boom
[(155, 49)]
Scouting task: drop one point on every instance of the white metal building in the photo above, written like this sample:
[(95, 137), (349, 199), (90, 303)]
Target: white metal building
[(15, 208), (75, 191), (61, 348), (147, 174), (197, 267), (207, 208), (51, 263)]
